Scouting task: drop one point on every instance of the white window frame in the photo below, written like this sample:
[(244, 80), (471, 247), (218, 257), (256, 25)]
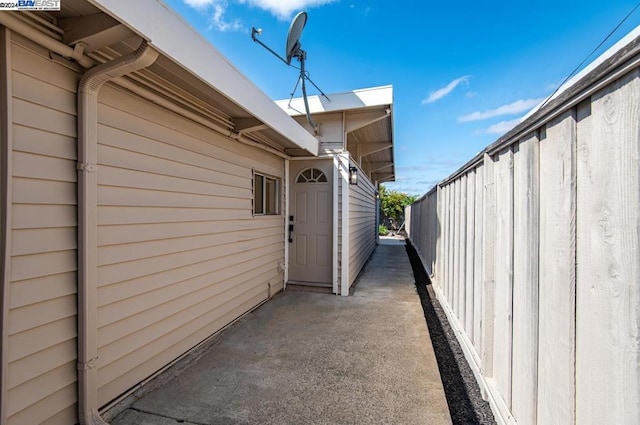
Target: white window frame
[(265, 178)]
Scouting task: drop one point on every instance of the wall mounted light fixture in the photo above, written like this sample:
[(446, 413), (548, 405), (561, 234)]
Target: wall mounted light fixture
[(353, 175)]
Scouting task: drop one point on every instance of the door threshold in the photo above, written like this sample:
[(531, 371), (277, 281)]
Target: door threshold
[(324, 288)]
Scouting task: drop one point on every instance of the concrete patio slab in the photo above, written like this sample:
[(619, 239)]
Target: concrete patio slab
[(309, 358)]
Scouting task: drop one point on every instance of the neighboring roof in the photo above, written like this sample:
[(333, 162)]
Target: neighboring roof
[(178, 41), (355, 99)]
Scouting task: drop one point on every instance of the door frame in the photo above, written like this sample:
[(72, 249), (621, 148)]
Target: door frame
[(289, 177)]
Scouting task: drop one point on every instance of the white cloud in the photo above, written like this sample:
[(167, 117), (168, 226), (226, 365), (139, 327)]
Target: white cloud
[(218, 20), (199, 4), (502, 127), (516, 107), (444, 91), (283, 9)]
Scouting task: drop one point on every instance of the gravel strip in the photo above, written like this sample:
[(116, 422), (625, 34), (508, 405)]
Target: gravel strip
[(461, 389)]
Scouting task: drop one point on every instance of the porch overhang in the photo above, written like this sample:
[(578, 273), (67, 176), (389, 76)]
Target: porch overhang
[(367, 126)]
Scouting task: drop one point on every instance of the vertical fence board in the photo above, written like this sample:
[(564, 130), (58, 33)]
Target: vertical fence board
[(447, 253), (471, 197), (525, 280), (556, 366), (478, 268), (439, 259), (503, 274), (488, 266), (450, 229), (434, 227), (444, 258), (608, 295), (454, 288), (462, 250)]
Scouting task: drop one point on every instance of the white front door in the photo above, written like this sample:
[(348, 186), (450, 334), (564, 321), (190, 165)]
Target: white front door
[(311, 209)]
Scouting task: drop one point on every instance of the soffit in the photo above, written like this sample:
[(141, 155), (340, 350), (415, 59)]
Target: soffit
[(174, 81)]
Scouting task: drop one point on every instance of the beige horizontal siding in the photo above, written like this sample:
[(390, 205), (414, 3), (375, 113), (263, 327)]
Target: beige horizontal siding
[(32, 291), (28, 368), (362, 225), (124, 271), (39, 388), (42, 305), (48, 409), (64, 417), (143, 215), (33, 341), (129, 251), (171, 300), (28, 139), (228, 312), (180, 253)]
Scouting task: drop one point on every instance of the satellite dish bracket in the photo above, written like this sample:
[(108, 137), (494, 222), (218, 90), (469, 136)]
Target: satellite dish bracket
[(294, 50), (254, 33)]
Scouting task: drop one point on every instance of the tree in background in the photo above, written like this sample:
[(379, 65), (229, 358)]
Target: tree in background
[(392, 205)]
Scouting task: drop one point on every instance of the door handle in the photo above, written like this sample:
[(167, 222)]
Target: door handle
[(290, 233)]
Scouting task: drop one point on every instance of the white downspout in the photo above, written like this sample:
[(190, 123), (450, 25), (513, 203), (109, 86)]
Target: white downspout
[(88, 89)]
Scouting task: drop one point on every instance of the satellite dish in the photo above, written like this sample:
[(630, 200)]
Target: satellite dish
[(293, 37), (294, 50)]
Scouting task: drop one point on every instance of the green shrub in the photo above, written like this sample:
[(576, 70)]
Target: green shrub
[(382, 230), (392, 204)]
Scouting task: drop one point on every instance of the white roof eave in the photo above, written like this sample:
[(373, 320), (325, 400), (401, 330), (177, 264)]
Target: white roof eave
[(355, 99), (173, 37)]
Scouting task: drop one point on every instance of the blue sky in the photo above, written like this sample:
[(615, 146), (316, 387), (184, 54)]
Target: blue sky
[(463, 72)]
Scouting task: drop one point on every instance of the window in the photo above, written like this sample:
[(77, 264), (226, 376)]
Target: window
[(265, 195), (311, 175)]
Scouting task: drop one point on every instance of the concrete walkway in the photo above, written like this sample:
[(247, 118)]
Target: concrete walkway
[(309, 358)]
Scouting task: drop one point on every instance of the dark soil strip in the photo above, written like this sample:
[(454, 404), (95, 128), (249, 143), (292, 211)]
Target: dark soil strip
[(460, 387)]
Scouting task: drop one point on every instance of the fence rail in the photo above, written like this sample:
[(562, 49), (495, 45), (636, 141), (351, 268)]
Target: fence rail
[(534, 251)]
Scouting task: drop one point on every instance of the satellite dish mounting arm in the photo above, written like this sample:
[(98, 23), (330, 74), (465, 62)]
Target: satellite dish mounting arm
[(294, 50), (300, 54), (254, 33)]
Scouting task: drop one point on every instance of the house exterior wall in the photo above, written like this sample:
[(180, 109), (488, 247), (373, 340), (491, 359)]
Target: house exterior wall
[(356, 224), (41, 374), (180, 253), (541, 279), (362, 224)]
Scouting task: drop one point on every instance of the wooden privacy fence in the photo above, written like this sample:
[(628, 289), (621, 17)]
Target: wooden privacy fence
[(534, 252)]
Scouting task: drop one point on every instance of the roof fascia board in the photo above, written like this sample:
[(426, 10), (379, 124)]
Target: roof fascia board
[(170, 34), (356, 99)]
